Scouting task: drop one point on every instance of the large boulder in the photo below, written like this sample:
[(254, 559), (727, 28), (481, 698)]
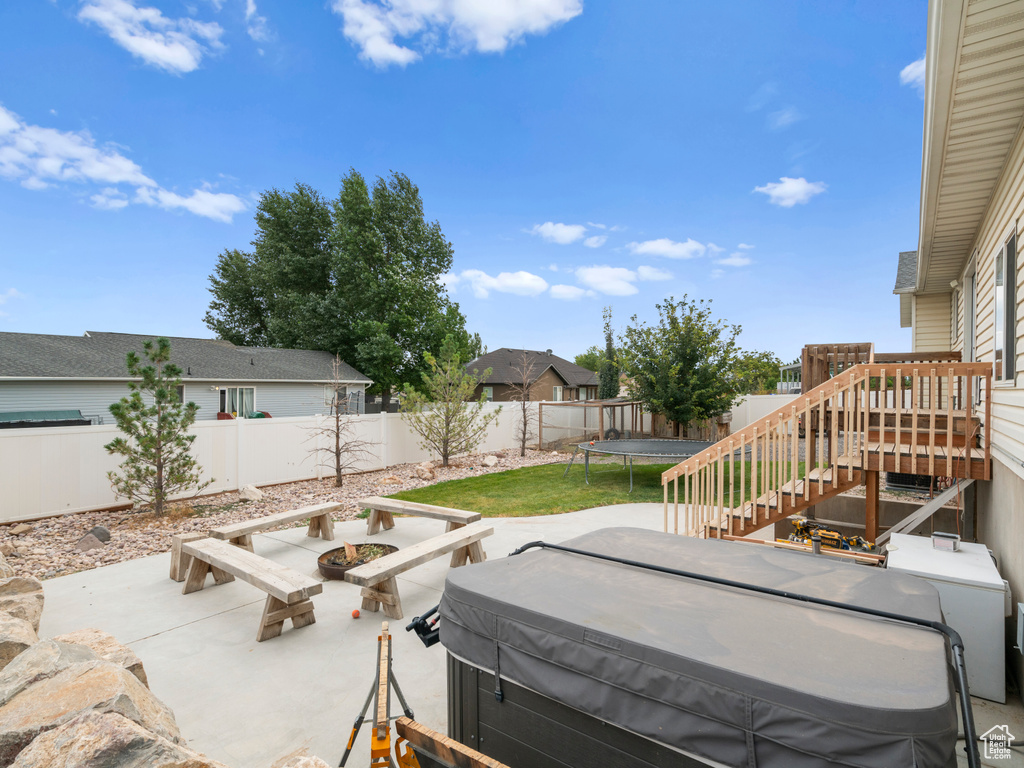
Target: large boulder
[(107, 740), (16, 635), (489, 461), (100, 687), (22, 596), (107, 647), (6, 569), (300, 758), (42, 660), (250, 493), (424, 471)]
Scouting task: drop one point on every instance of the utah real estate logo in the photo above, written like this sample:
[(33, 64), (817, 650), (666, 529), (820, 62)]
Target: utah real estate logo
[(997, 742)]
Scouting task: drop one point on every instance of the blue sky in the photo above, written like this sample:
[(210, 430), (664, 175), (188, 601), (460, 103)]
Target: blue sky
[(578, 154)]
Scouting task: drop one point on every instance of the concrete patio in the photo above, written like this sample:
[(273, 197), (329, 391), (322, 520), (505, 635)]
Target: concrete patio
[(246, 703)]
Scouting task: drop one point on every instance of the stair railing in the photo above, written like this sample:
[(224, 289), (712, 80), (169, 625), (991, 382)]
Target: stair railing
[(921, 419)]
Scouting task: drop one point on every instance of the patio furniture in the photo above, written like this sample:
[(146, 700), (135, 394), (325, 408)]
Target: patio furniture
[(179, 560), (320, 524), (377, 577), (382, 509), (288, 591)]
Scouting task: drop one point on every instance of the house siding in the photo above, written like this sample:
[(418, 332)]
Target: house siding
[(542, 390), (94, 398), (931, 323)]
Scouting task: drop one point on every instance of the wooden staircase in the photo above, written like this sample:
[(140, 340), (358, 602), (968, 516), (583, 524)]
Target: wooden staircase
[(914, 417)]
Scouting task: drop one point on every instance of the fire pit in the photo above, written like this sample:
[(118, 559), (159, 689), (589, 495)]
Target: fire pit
[(335, 563)]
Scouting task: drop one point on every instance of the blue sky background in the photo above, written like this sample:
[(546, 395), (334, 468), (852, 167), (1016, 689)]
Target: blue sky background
[(577, 154)]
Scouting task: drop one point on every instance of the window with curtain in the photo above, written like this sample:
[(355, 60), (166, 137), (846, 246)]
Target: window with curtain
[(240, 401)]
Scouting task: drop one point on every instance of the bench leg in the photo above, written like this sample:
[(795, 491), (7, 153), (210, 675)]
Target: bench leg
[(179, 560), (476, 552), (244, 541), (384, 593), (196, 580), (321, 525), (451, 526), (459, 557), (379, 519), (275, 612)]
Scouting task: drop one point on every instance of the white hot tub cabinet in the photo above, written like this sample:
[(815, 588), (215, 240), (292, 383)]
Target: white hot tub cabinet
[(974, 602)]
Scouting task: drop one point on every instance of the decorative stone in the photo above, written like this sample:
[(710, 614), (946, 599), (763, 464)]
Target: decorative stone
[(106, 646), (300, 758), (6, 571), (88, 542), (6, 549), (15, 636), (103, 687), (489, 461), (21, 528), (391, 480), (106, 740), (44, 659), (424, 471), (250, 493), (22, 596), (101, 533)]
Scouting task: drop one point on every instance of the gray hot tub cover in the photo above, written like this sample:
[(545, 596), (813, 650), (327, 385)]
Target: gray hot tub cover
[(735, 677)]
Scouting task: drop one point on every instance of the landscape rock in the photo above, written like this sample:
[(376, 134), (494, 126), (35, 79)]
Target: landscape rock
[(16, 635), (100, 687), (424, 471), (391, 480), (6, 571), (250, 493), (22, 597), (88, 542), (6, 549), (300, 758), (101, 533), (107, 740), (44, 659), (21, 528), (489, 461), (106, 646)]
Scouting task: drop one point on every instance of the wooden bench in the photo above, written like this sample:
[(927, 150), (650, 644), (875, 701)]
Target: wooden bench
[(288, 592), (382, 509), (377, 577), (320, 524)]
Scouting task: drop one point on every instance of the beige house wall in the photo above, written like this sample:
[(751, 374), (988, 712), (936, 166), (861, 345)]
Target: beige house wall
[(543, 389), (931, 323)]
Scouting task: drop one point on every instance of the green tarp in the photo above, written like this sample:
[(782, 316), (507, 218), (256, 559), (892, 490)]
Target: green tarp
[(20, 416)]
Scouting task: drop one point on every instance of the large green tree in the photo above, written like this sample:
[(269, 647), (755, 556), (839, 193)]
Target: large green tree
[(358, 276), (155, 446), (591, 359), (608, 372), (684, 366), (757, 372)]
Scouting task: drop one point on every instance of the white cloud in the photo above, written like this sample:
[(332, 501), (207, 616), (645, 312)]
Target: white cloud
[(563, 234), (173, 45), (569, 292), (744, 246), (668, 248), (596, 226), (762, 96), (653, 274), (788, 192), (448, 280), (596, 241), (255, 25), (459, 25), (519, 283), (715, 248), (783, 118), (39, 157), (717, 273), (612, 281), (735, 260), (913, 74), (9, 294)]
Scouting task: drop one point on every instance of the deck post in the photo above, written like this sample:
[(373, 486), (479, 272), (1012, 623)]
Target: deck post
[(871, 505)]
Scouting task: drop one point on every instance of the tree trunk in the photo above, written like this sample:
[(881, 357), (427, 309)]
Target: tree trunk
[(385, 399), (337, 444)]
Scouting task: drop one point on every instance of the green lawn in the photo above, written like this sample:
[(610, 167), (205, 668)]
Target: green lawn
[(542, 491)]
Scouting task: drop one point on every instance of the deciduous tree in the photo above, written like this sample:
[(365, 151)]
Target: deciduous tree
[(684, 366), (524, 377), (757, 372), (443, 411), (156, 444), (338, 445), (591, 359)]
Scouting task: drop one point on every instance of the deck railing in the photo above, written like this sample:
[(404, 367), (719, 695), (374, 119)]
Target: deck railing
[(902, 417)]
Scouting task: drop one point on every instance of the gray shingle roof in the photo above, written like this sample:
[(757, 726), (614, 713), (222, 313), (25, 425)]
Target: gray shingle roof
[(506, 364), (906, 273), (102, 355)]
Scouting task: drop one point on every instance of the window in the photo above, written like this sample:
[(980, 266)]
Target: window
[(238, 401), (181, 393), (489, 394), (1006, 311), (556, 394)]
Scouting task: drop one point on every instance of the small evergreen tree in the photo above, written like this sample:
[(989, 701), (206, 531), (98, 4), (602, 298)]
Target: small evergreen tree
[(157, 462), (608, 373), (443, 411)]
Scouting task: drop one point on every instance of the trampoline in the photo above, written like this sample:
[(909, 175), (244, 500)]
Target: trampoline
[(631, 449)]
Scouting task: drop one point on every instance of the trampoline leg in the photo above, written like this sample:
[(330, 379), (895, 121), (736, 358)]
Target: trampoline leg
[(571, 460), (586, 467), (630, 473)]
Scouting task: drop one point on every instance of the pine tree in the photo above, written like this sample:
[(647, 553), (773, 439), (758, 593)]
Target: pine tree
[(157, 462), (608, 373), (443, 412)]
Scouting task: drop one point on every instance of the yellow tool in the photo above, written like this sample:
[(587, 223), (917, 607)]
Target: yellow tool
[(380, 690), (804, 529)]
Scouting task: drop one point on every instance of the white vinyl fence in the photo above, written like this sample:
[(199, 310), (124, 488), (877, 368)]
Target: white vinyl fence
[(57, 470), (753, 407)]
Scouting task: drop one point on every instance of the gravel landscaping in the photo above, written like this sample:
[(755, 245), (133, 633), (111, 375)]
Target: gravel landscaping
[(49, 548)]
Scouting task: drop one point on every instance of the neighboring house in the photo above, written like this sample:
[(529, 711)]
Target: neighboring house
[(49, 380), (554, 378), (963, 288)]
